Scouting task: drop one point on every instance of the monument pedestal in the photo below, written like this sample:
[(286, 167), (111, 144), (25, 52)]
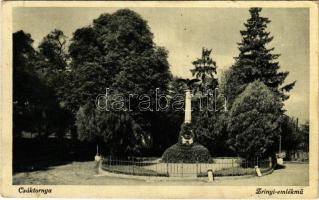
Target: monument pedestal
[(186, 150)]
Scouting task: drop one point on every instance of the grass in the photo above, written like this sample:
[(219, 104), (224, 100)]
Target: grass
[(236, 171), (132, 170)]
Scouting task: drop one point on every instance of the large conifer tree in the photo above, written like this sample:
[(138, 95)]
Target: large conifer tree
[(256, 60), (248, 126)]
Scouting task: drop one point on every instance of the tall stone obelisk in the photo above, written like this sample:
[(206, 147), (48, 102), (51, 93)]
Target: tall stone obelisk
[(188, 107)]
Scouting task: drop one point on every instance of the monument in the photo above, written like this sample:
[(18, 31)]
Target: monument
[(186, 150)]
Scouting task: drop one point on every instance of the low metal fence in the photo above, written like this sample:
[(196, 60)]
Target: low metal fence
[(155, 167)]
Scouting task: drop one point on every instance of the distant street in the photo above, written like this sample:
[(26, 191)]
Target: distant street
[(82, 173)]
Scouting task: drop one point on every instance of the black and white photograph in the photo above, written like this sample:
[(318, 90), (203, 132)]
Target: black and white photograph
[(158, 95)]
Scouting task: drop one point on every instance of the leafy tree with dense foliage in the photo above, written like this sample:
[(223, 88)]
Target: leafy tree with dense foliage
[(117, 52), (294, 137), (54, 61), (304, 132), (254, 119), (35, 107), (256, 60), (117, 131), (52, 67), (54, 49), (289, 136), (23, 81)]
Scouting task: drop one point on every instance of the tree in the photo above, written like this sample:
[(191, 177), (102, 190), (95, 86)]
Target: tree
[(294, 137), (116, 131), (231, 86), (289, 135), (256, 61), (304, 132), (205, 70), (24, 95), (34, 103), (204, 116), (253, 124), (188, 84), (53, 48), (52, 67), (117, 52), (53, 64), (116, 48)]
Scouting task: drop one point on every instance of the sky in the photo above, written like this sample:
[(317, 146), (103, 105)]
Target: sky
[(184, 31)]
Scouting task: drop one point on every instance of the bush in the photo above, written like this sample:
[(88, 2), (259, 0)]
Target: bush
[(186, 154), (254, 120)]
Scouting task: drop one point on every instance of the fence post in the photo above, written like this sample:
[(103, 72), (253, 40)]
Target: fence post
[(245, 166), (133, 164), (196, 167), (156, 169), (167, 168), (210, 175), (182, 169), (232, 165)]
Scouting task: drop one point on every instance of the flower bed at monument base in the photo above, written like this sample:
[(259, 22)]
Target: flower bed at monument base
[(186, 154)]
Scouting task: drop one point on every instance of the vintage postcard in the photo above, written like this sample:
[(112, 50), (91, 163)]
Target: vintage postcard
[(159, 99)]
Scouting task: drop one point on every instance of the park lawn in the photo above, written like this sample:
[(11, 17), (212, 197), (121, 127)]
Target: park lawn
[(132, 170), (237, 171)]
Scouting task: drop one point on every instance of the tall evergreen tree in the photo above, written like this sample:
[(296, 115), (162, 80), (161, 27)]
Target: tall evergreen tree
[(205, 70), (256, 63), (205, 115), (256, 60)]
